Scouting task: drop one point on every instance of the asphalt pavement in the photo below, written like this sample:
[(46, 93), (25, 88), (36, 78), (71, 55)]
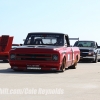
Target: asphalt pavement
[(82, 83)]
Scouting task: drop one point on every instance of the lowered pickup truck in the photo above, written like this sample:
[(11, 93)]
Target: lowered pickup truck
[(89, 50), (44, 51)]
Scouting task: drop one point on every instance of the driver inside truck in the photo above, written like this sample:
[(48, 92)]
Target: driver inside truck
[(38, 41), (59, 41), (92, 44), (80, 45)]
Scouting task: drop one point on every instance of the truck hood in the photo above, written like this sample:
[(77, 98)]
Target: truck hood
[(39, 48)]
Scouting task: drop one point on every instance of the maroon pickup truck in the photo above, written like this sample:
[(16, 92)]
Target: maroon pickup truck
[(44, 51)]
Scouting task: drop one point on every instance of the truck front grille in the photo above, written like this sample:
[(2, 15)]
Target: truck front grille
[(34, 57), (83, 54), (81, 50)]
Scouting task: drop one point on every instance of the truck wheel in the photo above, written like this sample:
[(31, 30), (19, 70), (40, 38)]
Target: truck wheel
[(62, 69), (98, 60), (74, 65), (95, 60)]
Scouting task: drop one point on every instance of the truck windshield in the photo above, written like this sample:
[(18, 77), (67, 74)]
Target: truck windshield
[(45, 39), (84, 44)]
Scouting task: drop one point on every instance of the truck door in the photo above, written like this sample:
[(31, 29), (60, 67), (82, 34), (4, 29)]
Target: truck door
[(73, 55), (69, 54)]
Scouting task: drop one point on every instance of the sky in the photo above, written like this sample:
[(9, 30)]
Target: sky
[(77, 18)]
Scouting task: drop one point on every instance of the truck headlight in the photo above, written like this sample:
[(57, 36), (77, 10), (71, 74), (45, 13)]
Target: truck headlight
[(55, 57), (91, 52), (12, 56)]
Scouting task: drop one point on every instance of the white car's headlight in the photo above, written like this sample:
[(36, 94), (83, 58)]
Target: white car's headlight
[(12, 56), (55, 57)]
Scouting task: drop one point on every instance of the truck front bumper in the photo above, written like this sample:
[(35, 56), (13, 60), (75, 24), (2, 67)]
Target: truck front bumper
[(87, 57), (35, 65)]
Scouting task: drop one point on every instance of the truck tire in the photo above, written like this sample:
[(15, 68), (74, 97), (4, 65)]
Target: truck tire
[(74, 65), (95, 60), (62, 69), (98, 60)]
